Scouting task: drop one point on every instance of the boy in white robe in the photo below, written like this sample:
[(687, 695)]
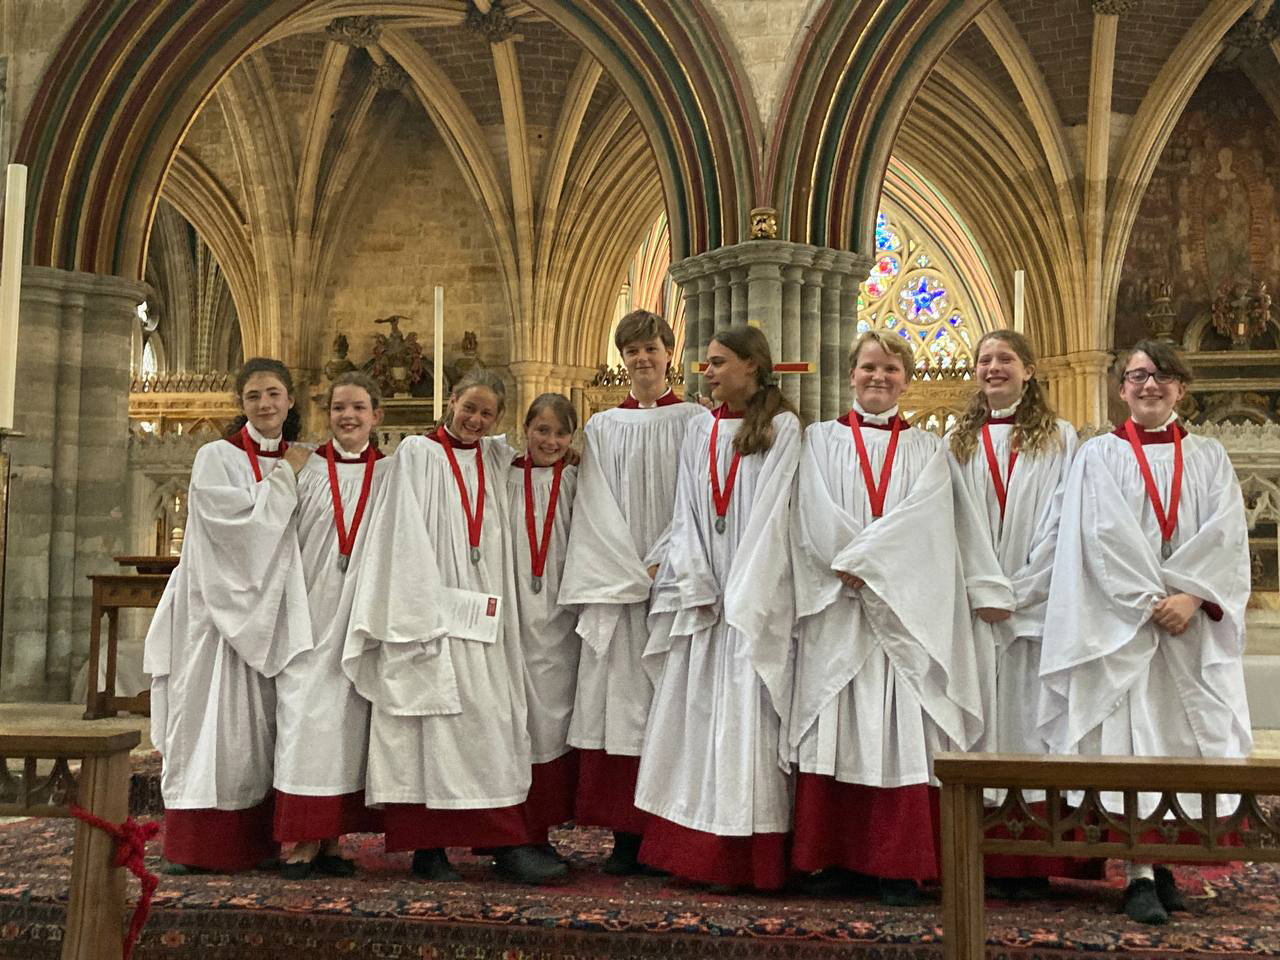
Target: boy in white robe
[(434, 645), (626, 493), (233, 615), (1144, 631), (1009, 458), (540, 493), (322, 724), (886, 672), (713, 770)]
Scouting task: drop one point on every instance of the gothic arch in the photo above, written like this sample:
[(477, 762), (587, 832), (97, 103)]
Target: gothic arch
[(850, 89), (127, 81)]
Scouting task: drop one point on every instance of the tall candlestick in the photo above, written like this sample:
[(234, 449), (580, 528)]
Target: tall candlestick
[(15, 208), (1019, 300), (437, 358)]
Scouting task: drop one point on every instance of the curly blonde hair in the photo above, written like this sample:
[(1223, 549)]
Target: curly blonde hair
[(1035, 425)]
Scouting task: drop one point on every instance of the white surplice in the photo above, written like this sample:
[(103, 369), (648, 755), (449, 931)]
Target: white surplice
[(1115, 683), (548, 631), (322, 724), (1015, 555), (886, 675), (448, 725), (712, 751), (626, 493), (233, 615)]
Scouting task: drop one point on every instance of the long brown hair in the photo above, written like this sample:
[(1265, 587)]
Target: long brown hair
[(1035, 425), (756, 433)]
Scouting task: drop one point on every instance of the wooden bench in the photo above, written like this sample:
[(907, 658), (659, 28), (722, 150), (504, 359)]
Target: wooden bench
[(1087, 829), (95, 906)]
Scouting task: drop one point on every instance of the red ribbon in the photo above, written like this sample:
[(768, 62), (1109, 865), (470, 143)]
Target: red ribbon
[(347, 540), (1170, 521), (474, 520), (718, 497), (875, 493), (538, 551), (129, 852), (993, 465), (251, 451)]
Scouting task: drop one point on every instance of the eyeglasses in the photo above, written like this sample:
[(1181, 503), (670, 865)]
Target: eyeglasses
[(1139, 377)]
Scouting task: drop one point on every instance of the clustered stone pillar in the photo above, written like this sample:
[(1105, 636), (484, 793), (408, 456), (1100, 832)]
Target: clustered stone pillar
[(1078, 385), (69, 486), (803, 297)]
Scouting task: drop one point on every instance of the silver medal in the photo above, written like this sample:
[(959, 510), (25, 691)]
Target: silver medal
[(537, 584), (1166, 549), (343, 561), (475, 554), (719, 524)]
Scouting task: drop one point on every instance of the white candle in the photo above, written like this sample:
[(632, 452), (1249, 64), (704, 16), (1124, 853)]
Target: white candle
[(1019, 301), (15, 207), (437, 358)]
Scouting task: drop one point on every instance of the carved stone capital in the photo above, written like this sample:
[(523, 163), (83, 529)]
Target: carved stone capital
[(495, 26), (1113, 8), (354, 31), (1250, 32), (389, 76)]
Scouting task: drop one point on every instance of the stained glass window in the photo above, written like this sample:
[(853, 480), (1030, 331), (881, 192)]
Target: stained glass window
[(909, 292)]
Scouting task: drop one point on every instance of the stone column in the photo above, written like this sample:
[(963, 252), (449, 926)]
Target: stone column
[(1078, 387), (532, 378), (69, 486), (796, 293)]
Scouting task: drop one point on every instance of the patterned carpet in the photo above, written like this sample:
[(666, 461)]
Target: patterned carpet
[(384, 913)]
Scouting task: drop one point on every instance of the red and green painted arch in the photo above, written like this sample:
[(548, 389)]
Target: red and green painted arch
[(130, 77), (853, 82)]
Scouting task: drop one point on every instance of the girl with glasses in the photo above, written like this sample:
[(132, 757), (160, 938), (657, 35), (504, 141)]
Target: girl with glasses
[(1144, 628)]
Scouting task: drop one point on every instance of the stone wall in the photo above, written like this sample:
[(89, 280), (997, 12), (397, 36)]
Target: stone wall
[(413, 225)]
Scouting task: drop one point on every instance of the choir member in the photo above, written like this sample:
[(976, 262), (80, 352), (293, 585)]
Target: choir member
[(713, 770), (322, 724), (627, 488), (1144, 629), (434, 645), (1009, 457), (233, 615), (886, 673), (540, 492)]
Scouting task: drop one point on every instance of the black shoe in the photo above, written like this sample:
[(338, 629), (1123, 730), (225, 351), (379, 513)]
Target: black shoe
[(171, 869), (899, 893), (837, 882), (623, 860), (553, 853), (334, 865), (1142, 904), (1000, 888), (528, 864), (1031, 888), (1171, 897), (296, 869), (434, 865)]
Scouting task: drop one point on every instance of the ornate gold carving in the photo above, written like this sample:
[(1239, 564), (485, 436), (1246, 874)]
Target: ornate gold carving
[(354, 31), (28, 791), (1160, 316), (764, 223), (1242, 311), (495, 26)]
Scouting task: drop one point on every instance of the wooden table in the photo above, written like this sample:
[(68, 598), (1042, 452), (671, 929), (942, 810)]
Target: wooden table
[(113, 592), (970, 830), (95, 904)]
